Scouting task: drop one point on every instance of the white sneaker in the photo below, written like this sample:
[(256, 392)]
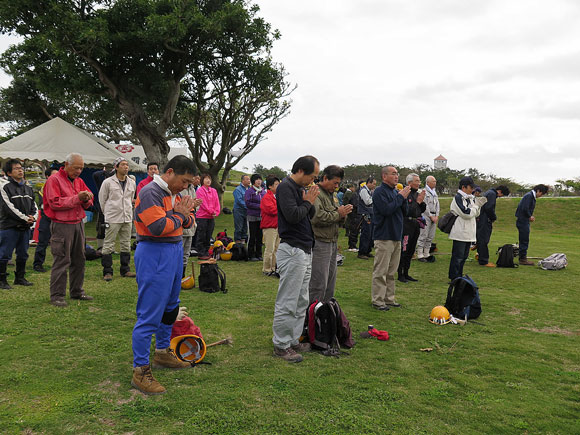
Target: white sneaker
[(353, 250)]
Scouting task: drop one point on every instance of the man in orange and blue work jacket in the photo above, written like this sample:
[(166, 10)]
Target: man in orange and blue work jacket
[(160, 216)]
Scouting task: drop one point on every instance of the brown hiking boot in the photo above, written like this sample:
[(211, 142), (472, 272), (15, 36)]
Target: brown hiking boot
[(144, 381), (525, 262), (489, 265), (301, 347), (166, 359), (289, 354), (129, 275)]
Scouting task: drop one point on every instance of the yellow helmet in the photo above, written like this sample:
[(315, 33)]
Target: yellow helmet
[(439, 315), (188, 282), (188, 348), (218, 244), (230, 246), (226, 255)]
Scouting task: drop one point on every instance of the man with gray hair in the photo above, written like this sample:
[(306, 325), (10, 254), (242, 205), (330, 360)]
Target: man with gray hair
[(66, 197), (411, 227), (116, 199), (431, 216)]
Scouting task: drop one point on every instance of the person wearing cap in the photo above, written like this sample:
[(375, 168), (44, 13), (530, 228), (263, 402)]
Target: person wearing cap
[(116, 199), (66, 197), (525, 215), (466, 207), (485, 222)]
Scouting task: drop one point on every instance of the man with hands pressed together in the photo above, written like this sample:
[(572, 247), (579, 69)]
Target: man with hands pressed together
[(390, 207), (160, 216), (294, 257), (66, 197)]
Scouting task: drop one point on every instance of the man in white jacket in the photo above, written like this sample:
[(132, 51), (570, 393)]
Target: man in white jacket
[(431, 215), (463, 233), (116, 199)]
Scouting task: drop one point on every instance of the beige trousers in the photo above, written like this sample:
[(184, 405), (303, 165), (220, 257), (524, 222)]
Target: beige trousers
[(123, 231), (271, 242), (387, 256)]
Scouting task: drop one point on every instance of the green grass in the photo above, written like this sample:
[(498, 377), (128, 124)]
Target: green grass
[(515, 371)]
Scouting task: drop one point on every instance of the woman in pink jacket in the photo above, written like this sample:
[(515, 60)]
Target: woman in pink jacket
[(205, 216)]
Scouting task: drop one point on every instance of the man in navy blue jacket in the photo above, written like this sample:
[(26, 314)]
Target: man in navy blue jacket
[(485, 221), (525, 215), (389, 207)]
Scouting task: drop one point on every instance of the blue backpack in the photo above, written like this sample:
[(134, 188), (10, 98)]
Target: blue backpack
[(463, 298)]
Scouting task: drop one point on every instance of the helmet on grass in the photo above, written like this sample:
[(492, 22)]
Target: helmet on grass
[(226, 255), (188, 348), (439, 315)]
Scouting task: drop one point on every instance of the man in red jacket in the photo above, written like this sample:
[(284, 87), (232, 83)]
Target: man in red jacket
[(66, 197)]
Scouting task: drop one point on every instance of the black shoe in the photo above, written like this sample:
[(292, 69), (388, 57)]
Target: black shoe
[(381, 308), (254, 259), (59, 303), (362, 257), (402, 279), (5, 286), (423, 260), (410, 278), (260, 258), (22, 281), (39, 269), (431, 259), (82, 297), (396, 305)]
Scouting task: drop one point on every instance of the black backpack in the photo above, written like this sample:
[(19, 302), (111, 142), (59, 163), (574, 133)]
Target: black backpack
[(505, 256), (327, 328), (446, 222), (239, 252), (211, 279), (463, 298)]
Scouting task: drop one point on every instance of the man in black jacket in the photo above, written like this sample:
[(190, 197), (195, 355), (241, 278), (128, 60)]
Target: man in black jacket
[(294, 257), (411, 227), (525, 215), (17, 210), (485, 221)]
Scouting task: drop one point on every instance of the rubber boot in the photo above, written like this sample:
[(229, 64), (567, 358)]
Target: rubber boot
[(125, 265), (409, 277), (19, 274), (107, 263), (3, 277)]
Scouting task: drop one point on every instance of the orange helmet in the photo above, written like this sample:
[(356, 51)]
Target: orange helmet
[(188, 348), (439, 315)]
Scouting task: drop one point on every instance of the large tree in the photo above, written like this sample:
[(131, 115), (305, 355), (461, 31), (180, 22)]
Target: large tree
[(137, 54)]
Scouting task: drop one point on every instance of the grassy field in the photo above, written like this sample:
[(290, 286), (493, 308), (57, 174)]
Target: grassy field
[(515, 371)]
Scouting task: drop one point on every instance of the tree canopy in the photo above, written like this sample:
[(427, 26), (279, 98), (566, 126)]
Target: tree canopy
[(127, 63)]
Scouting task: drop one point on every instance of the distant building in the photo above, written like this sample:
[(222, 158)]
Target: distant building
[(440, 162)]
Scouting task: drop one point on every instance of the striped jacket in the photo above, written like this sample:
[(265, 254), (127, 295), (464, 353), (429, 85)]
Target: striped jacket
[(155, 219), (16, 204)]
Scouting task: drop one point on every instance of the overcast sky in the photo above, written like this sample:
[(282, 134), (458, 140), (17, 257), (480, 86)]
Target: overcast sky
[(489, 84)]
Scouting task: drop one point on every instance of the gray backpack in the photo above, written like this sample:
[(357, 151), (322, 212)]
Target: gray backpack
[(554, 262)]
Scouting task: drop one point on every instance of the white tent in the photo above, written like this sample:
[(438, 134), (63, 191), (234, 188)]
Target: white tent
[(55, 139)]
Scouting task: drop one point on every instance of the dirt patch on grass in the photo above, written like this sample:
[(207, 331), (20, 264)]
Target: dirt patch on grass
[(93, 309), (515, 312), (552, 330), (109, 386), (134, 395), (107, 422)]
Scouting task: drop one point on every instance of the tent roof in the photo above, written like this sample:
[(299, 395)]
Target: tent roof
[(55, 139)]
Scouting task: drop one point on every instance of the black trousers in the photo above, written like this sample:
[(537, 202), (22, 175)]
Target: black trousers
[(43, 239), (483, 235), (204, 231), (255, 241), (355, 223), (411, 231)]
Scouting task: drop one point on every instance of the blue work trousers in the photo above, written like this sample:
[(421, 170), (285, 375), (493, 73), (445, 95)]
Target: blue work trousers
[(483, 236), (159, 268), (11, 239), (459, 254), (523, 227), (240, 224)]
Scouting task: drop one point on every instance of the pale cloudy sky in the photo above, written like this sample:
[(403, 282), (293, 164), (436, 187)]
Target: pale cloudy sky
[(489, 84)]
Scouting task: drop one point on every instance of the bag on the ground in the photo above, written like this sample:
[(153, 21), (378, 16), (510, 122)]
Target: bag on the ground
[(446, 222), (222, 236), (91, 254), (212, 278), (463, 298), (505, 256), (554, 262), (239, 252), (326, 328)]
